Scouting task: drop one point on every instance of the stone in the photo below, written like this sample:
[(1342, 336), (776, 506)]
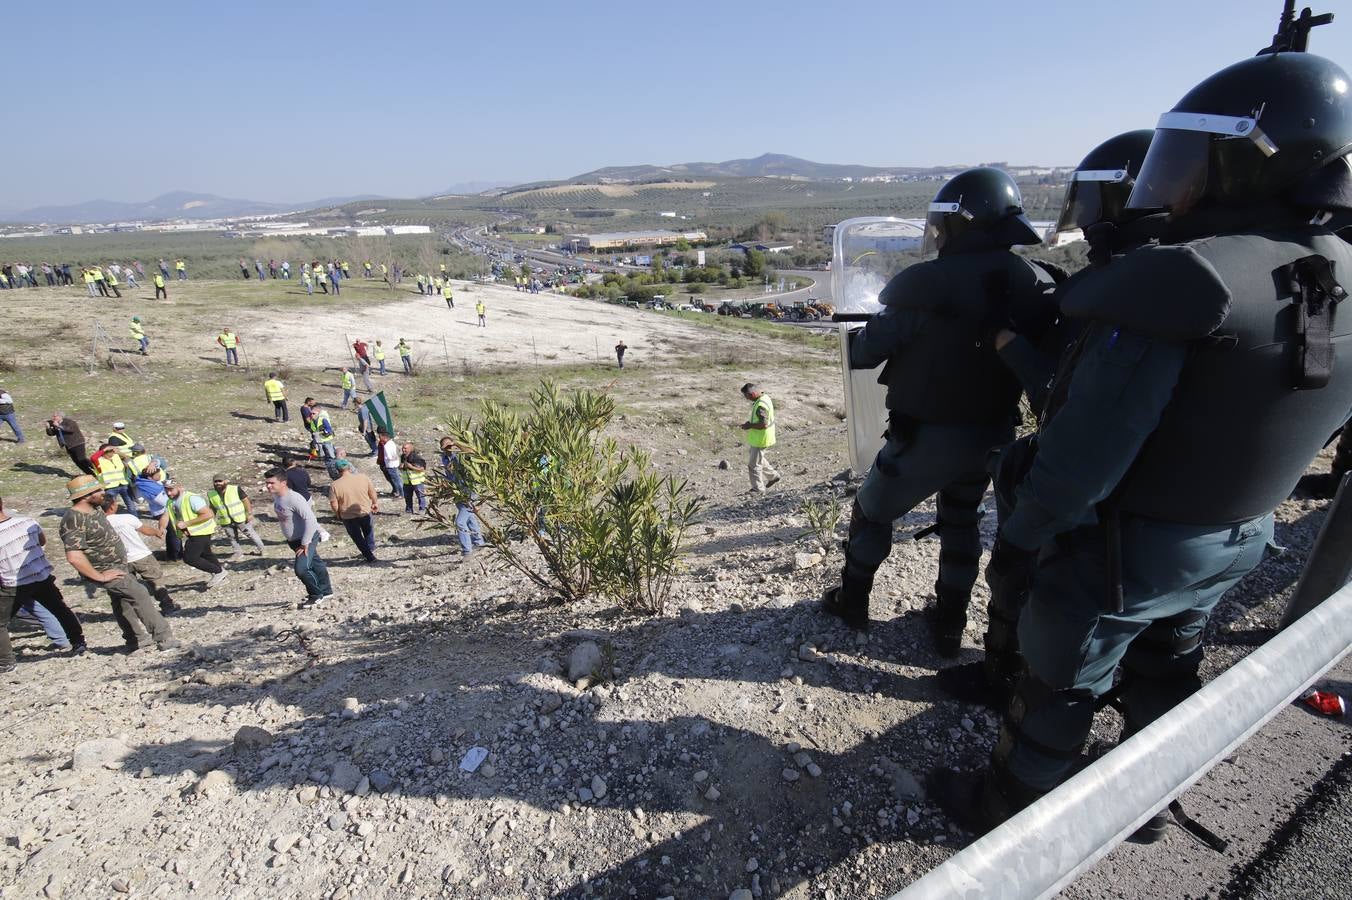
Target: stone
[(100, 753), (487, 770), (741, 894), (121, 885), (251, 737), (807, 560), (380, 781), (814, 770), (351, 708), (723, 464), (344, 776), (213, 783), (583, 660), (337, 821), (905, 786), (752, 864), (584, 795), (284, 843), (598, 786), (712, 793), (790, 774), (307, 795), (701, 776), (365, 829), (436, 757), (53, 888), (808, 653), (548, 665), (801, 758)]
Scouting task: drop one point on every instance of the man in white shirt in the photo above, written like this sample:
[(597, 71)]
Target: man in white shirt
[(140, 560), (26, 578)]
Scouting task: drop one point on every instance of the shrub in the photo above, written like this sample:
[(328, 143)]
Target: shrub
[(600, 520)]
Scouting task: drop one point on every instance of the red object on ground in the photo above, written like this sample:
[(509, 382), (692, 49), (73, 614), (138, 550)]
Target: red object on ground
[(1325, 703)]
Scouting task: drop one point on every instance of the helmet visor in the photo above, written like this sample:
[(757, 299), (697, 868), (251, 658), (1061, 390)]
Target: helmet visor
[(938, 225), (1092, 196), (1174, 174)]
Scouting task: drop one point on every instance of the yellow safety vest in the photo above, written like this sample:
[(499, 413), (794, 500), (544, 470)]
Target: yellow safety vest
[(181, 511), (138, 464), (137, 331), (98, 274), (317, 422), (408, 476), (112, 472), (229, 508), (180, 266), (274, 389), (379, 352), (159, 280), (348, 381), (228, 340), (89, 276), (480, 308), (443, 267), (762, 437), (112, 279), (403, 349), (446, 291), (121, 442)]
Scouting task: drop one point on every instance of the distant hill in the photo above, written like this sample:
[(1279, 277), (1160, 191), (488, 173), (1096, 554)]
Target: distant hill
[(174, 205), (767, 165)]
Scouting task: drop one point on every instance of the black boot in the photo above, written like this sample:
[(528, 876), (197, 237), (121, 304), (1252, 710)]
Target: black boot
[(947, 619), (971, 683), (849, 600), (979, 801)]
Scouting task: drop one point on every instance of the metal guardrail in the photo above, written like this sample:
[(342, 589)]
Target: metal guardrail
[(1048, 845)]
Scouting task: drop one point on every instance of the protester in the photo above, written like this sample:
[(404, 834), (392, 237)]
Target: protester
[(27, 581), (301, 530), (140, 560), (353, 500)]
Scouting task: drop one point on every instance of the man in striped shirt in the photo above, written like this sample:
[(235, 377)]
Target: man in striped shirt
[(26, 579)]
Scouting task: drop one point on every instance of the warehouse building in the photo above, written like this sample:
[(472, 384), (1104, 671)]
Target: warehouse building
[(616, 240)]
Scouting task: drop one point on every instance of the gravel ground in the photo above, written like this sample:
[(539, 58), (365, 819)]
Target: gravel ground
[(743, 743)]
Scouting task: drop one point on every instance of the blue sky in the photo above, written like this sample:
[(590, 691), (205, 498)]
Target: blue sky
[(291, 101)]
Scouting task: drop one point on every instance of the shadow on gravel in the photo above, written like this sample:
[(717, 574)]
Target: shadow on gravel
[(40, 469), (468, 675)]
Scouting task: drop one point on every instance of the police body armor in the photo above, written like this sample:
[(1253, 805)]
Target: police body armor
[(950, 374), (1269, 376)]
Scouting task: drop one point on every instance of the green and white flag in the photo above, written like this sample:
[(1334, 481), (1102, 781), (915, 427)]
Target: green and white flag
[(380, 412)]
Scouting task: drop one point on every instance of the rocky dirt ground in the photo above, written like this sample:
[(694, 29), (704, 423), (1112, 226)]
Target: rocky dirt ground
[(741, 746)]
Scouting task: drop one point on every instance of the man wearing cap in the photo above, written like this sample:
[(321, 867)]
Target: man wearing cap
[(140, 560), (138, 334), (71, 439), (120, 441), (195, 520), (353, 500), (234, 513), (760, 436), (301, 530), (94, 550)]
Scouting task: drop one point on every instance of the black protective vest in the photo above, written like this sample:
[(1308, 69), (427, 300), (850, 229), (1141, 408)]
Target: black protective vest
[(949, 374), (1249, 412)]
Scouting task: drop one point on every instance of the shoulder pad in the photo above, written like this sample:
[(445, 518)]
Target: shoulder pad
[(1166, 292), (1057, 273), (921, 286)]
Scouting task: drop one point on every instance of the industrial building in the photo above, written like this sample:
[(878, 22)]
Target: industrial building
[(616, 240)]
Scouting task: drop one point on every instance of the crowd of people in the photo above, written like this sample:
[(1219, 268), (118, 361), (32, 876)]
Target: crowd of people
[(127, 495)]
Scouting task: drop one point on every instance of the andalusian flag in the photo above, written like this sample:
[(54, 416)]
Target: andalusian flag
[(380, 412)]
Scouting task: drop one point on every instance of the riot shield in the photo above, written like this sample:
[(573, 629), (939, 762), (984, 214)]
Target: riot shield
[(866, 253)]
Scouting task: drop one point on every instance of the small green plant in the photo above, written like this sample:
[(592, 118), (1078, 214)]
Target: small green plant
[(822, 518), (599, 519)]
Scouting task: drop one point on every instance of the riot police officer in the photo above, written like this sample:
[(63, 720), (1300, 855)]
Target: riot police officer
[(1096, 205), (1209, 378), (949, 398)]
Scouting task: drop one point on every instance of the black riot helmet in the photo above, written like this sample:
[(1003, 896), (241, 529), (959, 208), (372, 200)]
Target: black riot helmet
[(1100, 185), (1255, 131), (981, 201)]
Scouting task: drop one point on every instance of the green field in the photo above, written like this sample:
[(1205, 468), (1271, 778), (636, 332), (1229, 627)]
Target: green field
[(212, 255)]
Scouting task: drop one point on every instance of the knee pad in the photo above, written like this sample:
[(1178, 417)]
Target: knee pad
[(1033, 695)]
